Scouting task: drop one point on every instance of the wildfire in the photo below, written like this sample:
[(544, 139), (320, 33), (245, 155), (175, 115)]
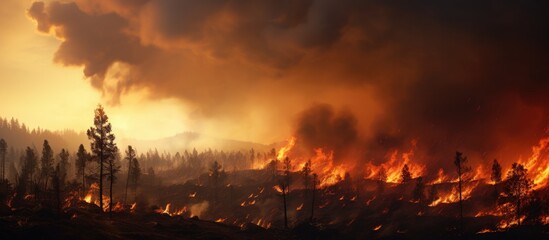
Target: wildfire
[(453, 196), (538, 163), (167, 210), (393, 167), (283, 152)]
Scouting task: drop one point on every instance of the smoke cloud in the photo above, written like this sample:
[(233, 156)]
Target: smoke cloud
[(470, 76)]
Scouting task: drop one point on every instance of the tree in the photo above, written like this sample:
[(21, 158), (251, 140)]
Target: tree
[(56, 182), (287, 172), (381, 179), (46, 163), (63, 166), (113, 167), (284, 191), (130, 156), (496, 176), (3, 151), (30, 162), (82, 156), (406, 176), (102, 144), (419, 190), (496, 172), (136, 175), (313, 198), (518, 187), (306, 171), (460, 162), (215, 171)]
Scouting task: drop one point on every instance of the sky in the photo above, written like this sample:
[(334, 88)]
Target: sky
[(42, 93), (373, 75)]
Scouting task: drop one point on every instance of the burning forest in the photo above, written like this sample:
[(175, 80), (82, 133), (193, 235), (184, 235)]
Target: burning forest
[(294, 191), (313, 119)]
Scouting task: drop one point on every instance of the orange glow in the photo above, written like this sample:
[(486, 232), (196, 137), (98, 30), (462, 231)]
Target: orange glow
[(453, 195), (283, 152), (376, 228), (394, 165), (538, 163)]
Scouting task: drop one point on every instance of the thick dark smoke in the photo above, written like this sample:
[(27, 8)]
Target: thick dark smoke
[(469, 76), (321, 127)]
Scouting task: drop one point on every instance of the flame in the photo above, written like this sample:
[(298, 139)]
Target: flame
[(277, 188), (329, 173), (88, 198), (486, 230), (538, 163), (394, 165), (192, 195), (453, 196), (283, 152), (441, 177), (299, 207), (376, 228), (220, 220)]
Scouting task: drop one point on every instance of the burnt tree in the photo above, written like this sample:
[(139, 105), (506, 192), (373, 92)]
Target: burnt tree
[(460, 162), (517, 187)]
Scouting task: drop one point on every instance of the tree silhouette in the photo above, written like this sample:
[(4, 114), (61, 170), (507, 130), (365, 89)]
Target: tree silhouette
[(284, 191), (56, 182), (406, 176), (496, 172), (518, 187), (46, 162), (3, 151), (130, 156), (381, 179), (102, 144), (215, 171), (313, 197), (136, 175), (496, 176), (306, 172), (287, 172), (460, 162), (113, 167), (30, 162), (419, 190), (63, 166), (82, 156)]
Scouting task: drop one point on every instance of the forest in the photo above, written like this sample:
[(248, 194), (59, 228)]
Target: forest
[(253, 194)]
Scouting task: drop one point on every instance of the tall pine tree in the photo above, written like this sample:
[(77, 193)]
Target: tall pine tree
[(102, 144)]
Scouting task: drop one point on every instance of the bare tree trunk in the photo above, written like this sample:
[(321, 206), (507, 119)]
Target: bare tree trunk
[(128, 179), (110, 189), (460, 201), (285, 208), (313, 198), (101, 171), (83, 178)]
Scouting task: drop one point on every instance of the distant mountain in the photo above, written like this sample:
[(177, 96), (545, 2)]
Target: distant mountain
[(19, 136), (190, 140)]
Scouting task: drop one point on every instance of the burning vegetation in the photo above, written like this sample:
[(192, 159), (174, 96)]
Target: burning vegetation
[(319, 193)]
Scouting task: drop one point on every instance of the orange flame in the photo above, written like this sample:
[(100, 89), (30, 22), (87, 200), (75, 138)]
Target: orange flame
[(538, 163), (283, 152), (394, 166)]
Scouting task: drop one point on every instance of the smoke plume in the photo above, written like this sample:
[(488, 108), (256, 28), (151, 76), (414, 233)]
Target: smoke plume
[(470, 76)]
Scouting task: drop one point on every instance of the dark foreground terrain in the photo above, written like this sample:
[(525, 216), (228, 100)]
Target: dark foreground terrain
[(87, 222)]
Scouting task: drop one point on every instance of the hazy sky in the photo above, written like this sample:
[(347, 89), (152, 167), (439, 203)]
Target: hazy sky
[(45, 94), (373, 74)]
